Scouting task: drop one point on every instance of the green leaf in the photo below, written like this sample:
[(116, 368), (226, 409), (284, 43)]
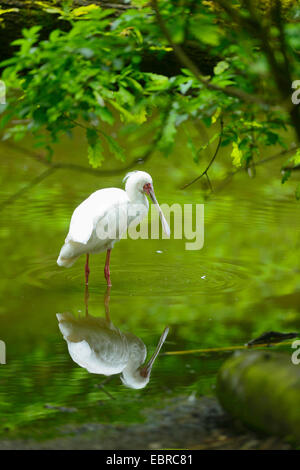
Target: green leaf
[(296, 157), (216, 115), (206, 33), (8, 10), (31, 33), (95, 149), (157, 82), (105, 115), (271, 138), (221, 67), (115, 148), (84, 10), (139, 117), (95, 154), (49, 8), (192, 147), (236, 154), (125, 97), (297, 192)]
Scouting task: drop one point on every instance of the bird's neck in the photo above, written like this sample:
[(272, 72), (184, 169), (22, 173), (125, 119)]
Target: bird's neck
[(132, 366), (135, 196)]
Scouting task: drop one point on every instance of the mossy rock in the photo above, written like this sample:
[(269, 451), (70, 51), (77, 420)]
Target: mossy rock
[(262, 389)]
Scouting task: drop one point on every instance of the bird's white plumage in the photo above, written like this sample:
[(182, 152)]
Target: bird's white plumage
[(99, 347), (101, 219), (91, 211), (94, 344)]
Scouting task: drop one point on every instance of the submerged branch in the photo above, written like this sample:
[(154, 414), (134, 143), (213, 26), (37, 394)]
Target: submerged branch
[(65, 166), (74, 167), (52, 166), (26, 188)]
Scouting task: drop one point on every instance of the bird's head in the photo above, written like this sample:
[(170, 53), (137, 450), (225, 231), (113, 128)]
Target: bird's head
[(140, 377), (142, 182), (138, 180)]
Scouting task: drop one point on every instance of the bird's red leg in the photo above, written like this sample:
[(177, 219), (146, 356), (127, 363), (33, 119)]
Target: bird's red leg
[(86, 300), (87, 270), (106, 268), (106, 304)]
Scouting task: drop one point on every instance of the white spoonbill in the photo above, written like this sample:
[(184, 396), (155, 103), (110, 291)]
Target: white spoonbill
[(99, 347), (101, 219)]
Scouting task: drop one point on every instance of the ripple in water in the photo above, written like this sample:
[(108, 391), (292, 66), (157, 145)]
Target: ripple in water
[(207, 276)]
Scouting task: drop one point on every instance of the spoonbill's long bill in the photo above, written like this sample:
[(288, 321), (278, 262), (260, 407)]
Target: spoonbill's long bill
[(101, 220)]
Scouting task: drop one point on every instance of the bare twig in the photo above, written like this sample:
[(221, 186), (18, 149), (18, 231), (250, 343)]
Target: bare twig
[(258, 163), (205, 172), (209, 183)]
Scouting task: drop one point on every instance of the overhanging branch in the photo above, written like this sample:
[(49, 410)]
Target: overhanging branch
[(189, 64)]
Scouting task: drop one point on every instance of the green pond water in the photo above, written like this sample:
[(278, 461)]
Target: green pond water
[(243, 282)]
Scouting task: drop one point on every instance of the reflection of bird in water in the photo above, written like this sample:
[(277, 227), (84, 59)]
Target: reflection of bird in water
[(99, 221), (98, 346)]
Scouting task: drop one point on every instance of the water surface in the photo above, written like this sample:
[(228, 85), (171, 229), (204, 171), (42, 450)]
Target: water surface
[(245, 280)]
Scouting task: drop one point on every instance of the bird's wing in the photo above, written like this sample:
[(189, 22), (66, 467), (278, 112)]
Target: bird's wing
[(137, 349), (88, 214), (100, 352)]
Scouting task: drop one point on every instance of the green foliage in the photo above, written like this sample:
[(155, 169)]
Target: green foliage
[(7, 10), (236, 154), (95, 149), (296, 157), (92, 74)]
